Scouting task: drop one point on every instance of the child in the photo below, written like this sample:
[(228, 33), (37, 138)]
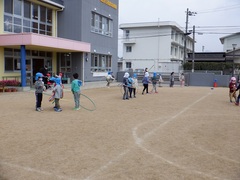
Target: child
[(145, 82), (130, 88), (238, 98), (160, 80), (39, 88), (134, 85), (171, 79), (75, 88), (154, 83), (232, 88), (109, 79), (182, 79), (125, 85), (58, 93)]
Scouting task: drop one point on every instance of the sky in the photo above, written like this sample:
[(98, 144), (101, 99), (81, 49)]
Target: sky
[(214, 18)]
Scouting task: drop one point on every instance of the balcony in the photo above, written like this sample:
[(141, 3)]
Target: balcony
[(129, 41)]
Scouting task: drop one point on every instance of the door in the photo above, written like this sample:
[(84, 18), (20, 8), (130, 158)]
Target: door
[(37, 64)]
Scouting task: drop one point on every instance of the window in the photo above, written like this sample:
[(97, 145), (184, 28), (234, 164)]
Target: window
[(43, 14), (17, 7), (27, 9), (101, 63), (8, 23), (65, 63), (101, 24), (24, 16), (127, 33), (128, 65), (8, 6), (35, 11), (12, 59), (128, 48)]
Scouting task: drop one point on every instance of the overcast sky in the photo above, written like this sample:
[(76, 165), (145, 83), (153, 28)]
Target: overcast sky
[(223, 17)]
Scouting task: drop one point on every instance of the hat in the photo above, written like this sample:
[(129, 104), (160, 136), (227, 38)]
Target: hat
[(233, 79), (126, 75), (56, 80), (38, 75)]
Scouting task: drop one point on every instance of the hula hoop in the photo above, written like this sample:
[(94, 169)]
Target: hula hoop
[(90, 101)]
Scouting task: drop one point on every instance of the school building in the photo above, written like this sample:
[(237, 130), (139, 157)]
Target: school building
[(66, 35)]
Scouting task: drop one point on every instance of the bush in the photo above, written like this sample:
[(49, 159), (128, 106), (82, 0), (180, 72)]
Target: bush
[(10, 83)]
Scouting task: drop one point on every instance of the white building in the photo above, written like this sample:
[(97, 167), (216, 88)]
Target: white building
[(159, 46), (231, 45), (229, 40)]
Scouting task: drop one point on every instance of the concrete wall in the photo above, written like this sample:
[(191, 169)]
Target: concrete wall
[(206, 79)]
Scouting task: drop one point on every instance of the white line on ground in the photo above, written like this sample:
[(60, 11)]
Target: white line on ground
[(139, 141), (35, 171)]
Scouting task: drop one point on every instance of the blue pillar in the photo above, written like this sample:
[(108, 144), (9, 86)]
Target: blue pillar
[(23, 66)]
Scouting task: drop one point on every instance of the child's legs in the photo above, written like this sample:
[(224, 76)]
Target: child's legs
[(125, 94), (134, 91), (154, 88), (238, 98), (130, 91), (38, 100), (76, 96), (57, 104)]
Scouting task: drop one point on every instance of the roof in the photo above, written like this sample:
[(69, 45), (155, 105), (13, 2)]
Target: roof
[(55, 3), (149, 24), (42, 42), (223, 38)]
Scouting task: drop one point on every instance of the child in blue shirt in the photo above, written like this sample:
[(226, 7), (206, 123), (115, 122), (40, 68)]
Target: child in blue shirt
[(75, 88)]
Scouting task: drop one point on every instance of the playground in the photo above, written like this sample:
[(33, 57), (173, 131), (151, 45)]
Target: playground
[(182, 133)]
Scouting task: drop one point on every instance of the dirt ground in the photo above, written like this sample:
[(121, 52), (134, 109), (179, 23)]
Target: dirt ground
[(189, 133)]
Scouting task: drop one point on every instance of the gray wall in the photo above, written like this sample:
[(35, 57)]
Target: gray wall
[(74, 22), (206, 79)]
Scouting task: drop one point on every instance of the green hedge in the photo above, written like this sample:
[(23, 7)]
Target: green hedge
[(210, 66)]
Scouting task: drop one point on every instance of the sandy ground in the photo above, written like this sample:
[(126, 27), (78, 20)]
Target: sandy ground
[(189, 133)]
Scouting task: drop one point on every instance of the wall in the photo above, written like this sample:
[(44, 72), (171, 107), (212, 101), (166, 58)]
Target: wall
[(75, 23), (206, 79)]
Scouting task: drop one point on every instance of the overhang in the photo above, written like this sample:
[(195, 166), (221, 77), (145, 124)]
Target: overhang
[(43, 43)]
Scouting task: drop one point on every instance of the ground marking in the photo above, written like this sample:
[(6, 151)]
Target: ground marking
[(35, 171), (139, 141)]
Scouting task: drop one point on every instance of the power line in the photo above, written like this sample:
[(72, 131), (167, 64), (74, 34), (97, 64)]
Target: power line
[(236, 6)]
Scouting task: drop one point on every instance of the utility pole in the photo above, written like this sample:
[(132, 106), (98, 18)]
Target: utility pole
[(185, 38), (193, 50), (188, 13)]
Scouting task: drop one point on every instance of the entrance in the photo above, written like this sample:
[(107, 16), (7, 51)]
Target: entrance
[(37, 64)]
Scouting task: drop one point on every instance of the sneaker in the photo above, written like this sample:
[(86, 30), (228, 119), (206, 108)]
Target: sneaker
[(38, 109), (58, 110), (237, 104), (41, 109), (76, 109)]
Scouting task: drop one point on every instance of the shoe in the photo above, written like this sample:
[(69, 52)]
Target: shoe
[(58, 110), (38, 109), (76, 109), (41, 109), (237, 104), (134, 96)]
